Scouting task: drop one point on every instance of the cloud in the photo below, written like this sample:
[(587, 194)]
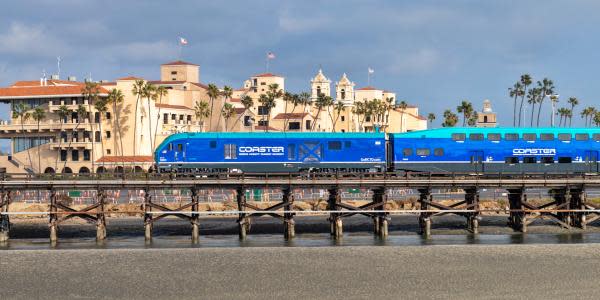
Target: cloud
[(31, 40), (294, 24), (421, 61), (140, 51)]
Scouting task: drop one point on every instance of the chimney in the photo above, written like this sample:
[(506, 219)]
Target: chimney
[(72, 78)]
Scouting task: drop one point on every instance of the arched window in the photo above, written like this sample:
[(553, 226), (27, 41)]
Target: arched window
[(343, 92), (84, 170), (318, 91), (49, 170), (101, 169), (138, 169), (67, 170), (119, 169)]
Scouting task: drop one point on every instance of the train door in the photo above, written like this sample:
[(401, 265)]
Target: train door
[(476, 158), (591, 161), (179, 151)]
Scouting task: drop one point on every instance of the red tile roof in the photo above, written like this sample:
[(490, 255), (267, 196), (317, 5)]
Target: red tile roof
[(108, 83), (266, 75), (290, 116), (163, 105), (239, 110), (204, 86), (179, 63), (368, 88), (118, 159), (235, 100), (37, 91), (130, 78), (166, 82), (241, 90), (49, 82)]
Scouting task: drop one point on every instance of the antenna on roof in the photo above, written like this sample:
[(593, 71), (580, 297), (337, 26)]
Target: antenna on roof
[(58, 66)]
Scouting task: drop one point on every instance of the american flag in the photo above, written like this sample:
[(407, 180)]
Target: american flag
[(270, 55), (183, 41)]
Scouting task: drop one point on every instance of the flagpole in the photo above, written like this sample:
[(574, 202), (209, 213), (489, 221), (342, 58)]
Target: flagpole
[(267, 64)]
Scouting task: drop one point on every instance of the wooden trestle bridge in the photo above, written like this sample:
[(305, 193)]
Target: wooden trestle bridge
[(568, 206)]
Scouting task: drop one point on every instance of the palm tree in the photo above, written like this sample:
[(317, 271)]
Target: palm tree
[(91, 91), (21, 112), (227, 112), (81, 114), (573, 101), (226, 93), (213, 93), (149, 92), (546, 89), (138, 92), (466, 108), (160, 92), (101, 107), (273, 93), (450, 119), (525, 83), (248, 103), (553, 101), (561, 112), (287, 97), (268, 103), (568, 114), (591, 113), (115, 97), (338, 107), (38, 115), (63, 112), (304, 100), (322, 101), (514, 92), (532, 98), (402, 106), (201, 111), (585, 113), (596, 119), (389, 101), (431, 118), (472, 121)]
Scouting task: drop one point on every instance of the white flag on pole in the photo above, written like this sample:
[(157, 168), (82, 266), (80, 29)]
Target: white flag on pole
[(183, 41), (371, 71), (270, 55)]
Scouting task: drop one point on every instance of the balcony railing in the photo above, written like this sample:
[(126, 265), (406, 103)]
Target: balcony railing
[(46, 126)]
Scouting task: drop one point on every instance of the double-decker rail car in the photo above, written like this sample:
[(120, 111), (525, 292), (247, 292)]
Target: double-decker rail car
[(272, 152), (494, 150)]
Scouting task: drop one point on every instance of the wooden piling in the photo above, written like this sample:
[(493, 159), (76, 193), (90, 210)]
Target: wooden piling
[(147, 215), (472, 202), (195, 216), (289, 230), (243, 220), (4, 218), (101, 218), (335, 219), (53, 222), (425, 198)]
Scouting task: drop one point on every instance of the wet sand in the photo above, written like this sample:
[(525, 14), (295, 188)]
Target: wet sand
[(457, 272)]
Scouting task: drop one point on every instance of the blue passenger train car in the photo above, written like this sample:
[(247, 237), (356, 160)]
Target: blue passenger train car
[(507, 150), (273, 152)]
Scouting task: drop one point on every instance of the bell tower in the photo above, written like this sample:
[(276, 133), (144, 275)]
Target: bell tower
[(344, 91), (319, 85)]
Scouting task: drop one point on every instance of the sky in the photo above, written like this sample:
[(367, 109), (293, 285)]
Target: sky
[(433, 54)]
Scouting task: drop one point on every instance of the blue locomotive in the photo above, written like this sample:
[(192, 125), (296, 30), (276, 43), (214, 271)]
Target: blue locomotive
[(480, 150)]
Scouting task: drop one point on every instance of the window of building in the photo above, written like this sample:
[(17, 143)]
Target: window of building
[(438, 151), (423, 151), (189, 118), (108, 135), (294, 125), (511, 136), (547, 136), (368, 119), (547, 160), (458, 136), (263, 83), (173, 78), (565, 160), (307, 123), (230, 151), (343, 118), (75, 136), (247, 121), (292, 152), (485, 119), (86, 155), (529, 160), (476, 136), (86, 136), (173, 117), (343, 94), (96, 117), (165, 118), (334, 145), (108, 151), (181, 117), (318, 91), (213, 144), (108, 115), (63, 155), (529, 136), (493, 136), (254, 82), (97, 136), (407, 151), (173, 72), (582, 136), (347, 144), (75, 155), (564, 137), (63, 136), (263, 111), (511, 160), (263, 123)]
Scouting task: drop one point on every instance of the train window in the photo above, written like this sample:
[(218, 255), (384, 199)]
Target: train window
[(582, 136), (438, 151), (334, 145), (179, 147), (213, 144), (529, 136), (230, 151), (423, 151), (565, 160), (547, 160), (407, 151), (493, 136), (511, 160), (458, 136), (347, 144), (511, 136), (170, 146), (564, 136), (529, 160), (596, 136), (291, 152), (547, 136), (476, 136)]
